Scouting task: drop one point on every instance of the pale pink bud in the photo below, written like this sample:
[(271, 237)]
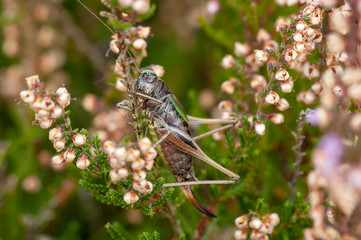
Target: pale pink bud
[(33, 81), (282, 74), (27, 96), (290, 55), (263, 35), (315, 18), (82, 162), (69, 155), (258, 82), (57, 160), (55, 133), (114, 177), (228, 87), (297, 36), (242, 49), (136, 186), (241, 222), (143, 32), (354, 91), (138, 164), (355, 122), (338, 22), (310, 34), (227, 61), (255, 223), (130, 197), (261, 55), (139, 175), (36, 103), (147, 187), (63, 97), (109, 147), (42, 115), (260, 128), (113, 45), (139, 44), (47, 104), (299, 47), (79, 139), (310, 71), (318, 37), (61, 90), (342, 57), (225, 106), (301, 26), (125, 3), (45, 124), (151, 154), (144, 144), (316, 88), (266, 227), (118, 69), (271, 45), (282, 23), (121, 154), (282, 104), (119, 85), (59, 144), (335, 43), (240, 235), (276, 118), (159, 70), (273, 219), (310, 46), (123, 172), (56, 112), (272, 97), (351, 75), (149, 164), (141, 6), (133, 154), (116, 163)]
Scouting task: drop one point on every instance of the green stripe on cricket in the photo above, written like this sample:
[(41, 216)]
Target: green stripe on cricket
[(179, 110)]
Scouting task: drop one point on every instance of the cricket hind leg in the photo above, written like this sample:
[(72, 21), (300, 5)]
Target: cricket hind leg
[(203, 182)]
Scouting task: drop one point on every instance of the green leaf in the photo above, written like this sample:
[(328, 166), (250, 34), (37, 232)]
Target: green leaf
[(163, 198), (116, 231), (148, 236)]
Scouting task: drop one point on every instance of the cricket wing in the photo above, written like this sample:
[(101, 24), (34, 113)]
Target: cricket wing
[(184, 142), (187, 190)]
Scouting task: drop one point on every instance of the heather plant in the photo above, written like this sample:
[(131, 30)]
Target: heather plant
[(285, 74)]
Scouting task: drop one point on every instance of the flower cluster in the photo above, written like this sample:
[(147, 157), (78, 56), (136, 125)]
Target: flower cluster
[(124, 161), (260, 227)]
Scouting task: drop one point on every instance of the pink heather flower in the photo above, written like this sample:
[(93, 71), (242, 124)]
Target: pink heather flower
[(332, 149), (311, 117), (213, 7)]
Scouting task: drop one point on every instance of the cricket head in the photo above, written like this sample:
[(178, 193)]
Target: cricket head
[(146, 82)]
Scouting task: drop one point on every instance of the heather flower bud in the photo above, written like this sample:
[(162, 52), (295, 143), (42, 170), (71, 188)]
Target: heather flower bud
[(55, 133), (130, 197), (282, 104), (114, 177), (159, 70), (59, 144), (149, 164), (272, 97), (335, 43), (151, 154), (282, 74), (316, 88), (355, 122), (121, 154), (273, 219), (139, 44), (225, 106), (141, 6), (261, 55), (258, 82), (57, 160), (255, 223), (242, 222), (271, 45), (56, 112), (143, 32), (42, 115), (297, 36), (119, 85), (301, 26), (354, 91), (299, 47), (276, 118), (228, 87), (266, 228), (139, 175), (113, 45), (240, 235), (82, 162), (241, 49), (27, 96), (260, 128), (315, 18), (63, 97), (318, 37), (125, 3), (69, 155), (282, 23), (227, 62), (310, 71), (138, 164), (147, 187), (144, 144), (45, 124), (79, 139), (262, 35), (116, 163), (33, 81), (290, 55), (47, 104), (109, 147), (133, 154)]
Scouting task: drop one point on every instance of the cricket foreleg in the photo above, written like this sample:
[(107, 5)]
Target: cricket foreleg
[(194, 120), (163, 126), (212, 131), (125, 104), (205, 182)]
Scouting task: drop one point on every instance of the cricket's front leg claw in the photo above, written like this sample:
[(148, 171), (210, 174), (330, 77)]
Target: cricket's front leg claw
[(236, 178), (125, 104)]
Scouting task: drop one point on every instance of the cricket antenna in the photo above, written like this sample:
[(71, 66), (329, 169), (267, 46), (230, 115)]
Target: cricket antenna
[(130, 55), (96, 16)]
